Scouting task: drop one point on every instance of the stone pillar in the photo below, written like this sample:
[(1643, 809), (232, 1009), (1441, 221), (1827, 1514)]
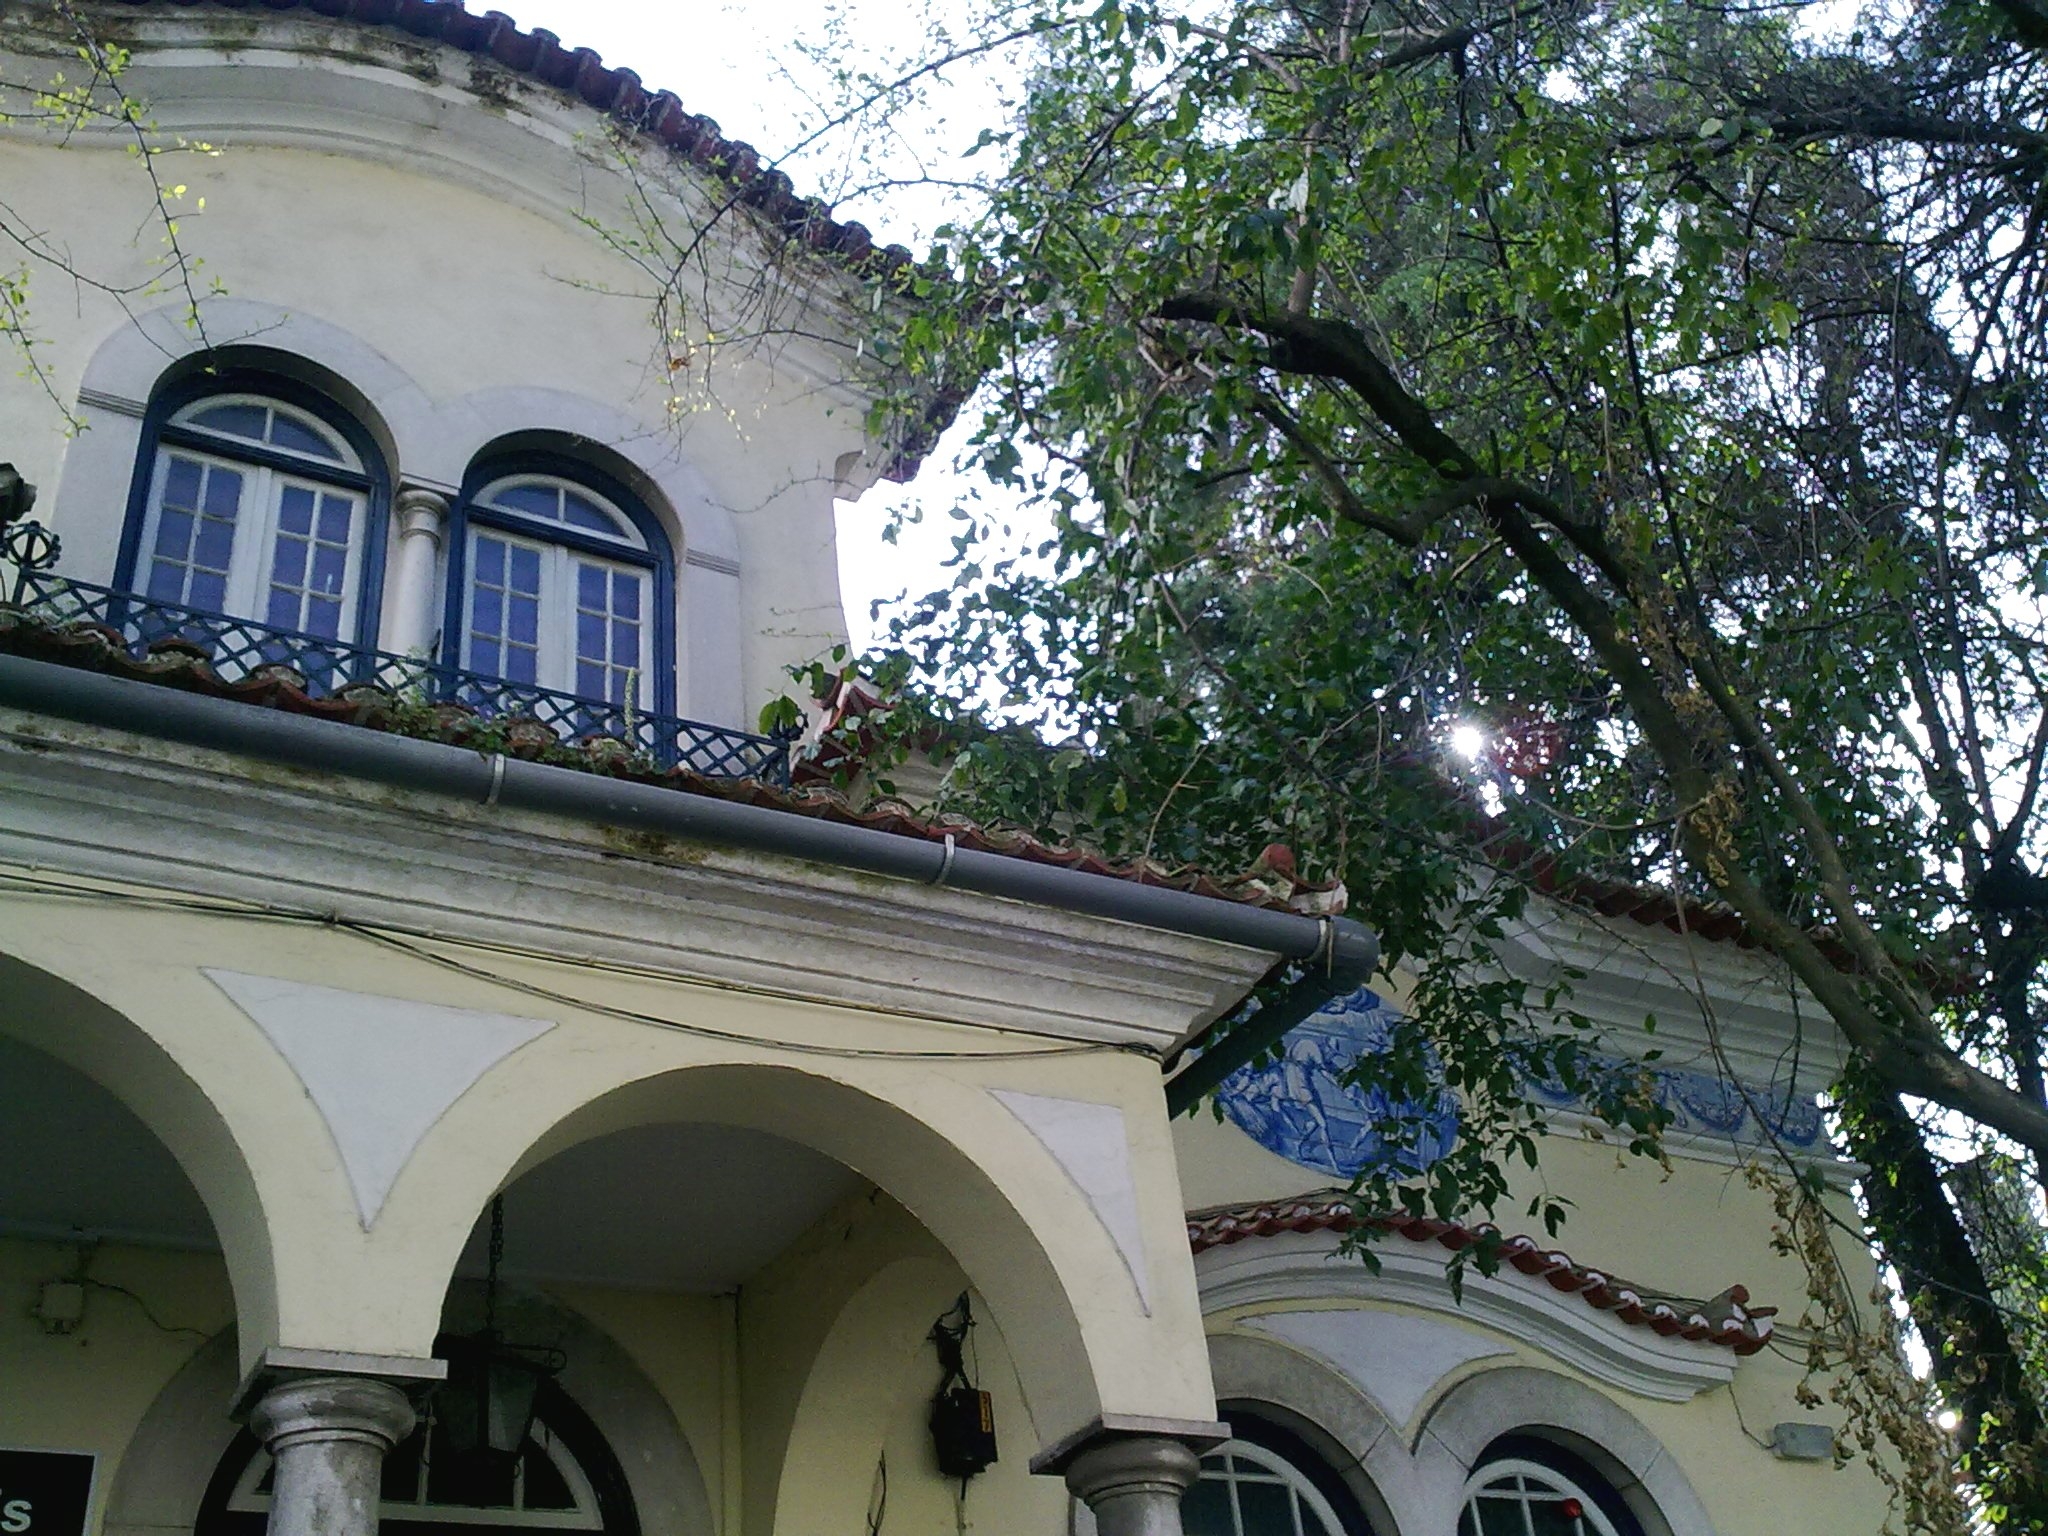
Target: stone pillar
[(328, 1436), (414, 606), (1133, 1485)]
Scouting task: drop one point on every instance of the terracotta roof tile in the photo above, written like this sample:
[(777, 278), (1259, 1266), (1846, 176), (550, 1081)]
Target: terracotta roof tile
[(1727, 1319)]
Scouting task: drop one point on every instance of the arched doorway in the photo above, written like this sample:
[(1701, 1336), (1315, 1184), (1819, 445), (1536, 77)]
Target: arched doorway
[(564, 1477)]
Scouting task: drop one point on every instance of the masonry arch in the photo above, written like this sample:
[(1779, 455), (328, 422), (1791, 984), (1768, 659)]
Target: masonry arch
[(649, 461), (930, 1174), (1330, 1415), (1026, 1240), (63, 1020), (1524, 1401)]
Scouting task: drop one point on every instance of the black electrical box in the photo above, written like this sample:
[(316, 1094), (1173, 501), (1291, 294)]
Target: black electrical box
[(964, 1431)]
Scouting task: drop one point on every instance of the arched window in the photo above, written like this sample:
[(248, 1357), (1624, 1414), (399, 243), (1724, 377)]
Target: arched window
[(258, 500), (563, 582), (564, 1479), (1268, 1481), (1528, 1487)]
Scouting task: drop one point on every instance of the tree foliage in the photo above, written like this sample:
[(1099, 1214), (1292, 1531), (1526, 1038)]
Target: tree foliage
[(1657, 386)]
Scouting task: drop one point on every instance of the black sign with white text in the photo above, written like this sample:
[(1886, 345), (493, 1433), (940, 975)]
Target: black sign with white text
[(44, 1493)]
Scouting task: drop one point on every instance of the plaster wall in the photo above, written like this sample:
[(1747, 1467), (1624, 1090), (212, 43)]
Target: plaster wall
[(88, 1390), (838, 1372), (1691, 1228), (342, 1277), (449, 292)]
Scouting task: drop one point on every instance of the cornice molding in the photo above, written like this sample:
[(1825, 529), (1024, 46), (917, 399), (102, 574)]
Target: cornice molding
[(111, 806), (1289, 1268)]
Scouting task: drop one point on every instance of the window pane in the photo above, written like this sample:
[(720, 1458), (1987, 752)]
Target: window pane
[(234, 420), (490, 561), (181, 483), (174, 535), (336, 514), (323, 617), (209, 589), (486, 615), (289, 569), (283, 609), (1267, 1509), (526, 620), (330, 567), (295, 509), (1206, 1509), (581, 512), (533, 500), (166, 582), (626, 595), (478, 1482), (297, 437), (523, 564), (223, 494), (215, 546), (401, 1480), (542, 1485)]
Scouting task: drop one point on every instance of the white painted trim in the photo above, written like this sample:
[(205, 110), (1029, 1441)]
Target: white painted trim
[(1292, 1267), (1525, 1400), (1395, 1358), (1092, 1145), (382, 1071)]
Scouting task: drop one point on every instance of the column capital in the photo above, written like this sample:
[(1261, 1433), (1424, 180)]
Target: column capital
[(420, 512), (313, 1408), (1111, 1428), (281, 1365), (1143, 1465)]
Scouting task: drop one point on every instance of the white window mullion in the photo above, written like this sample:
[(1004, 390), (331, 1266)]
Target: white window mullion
[(558, 620), (254, 532)]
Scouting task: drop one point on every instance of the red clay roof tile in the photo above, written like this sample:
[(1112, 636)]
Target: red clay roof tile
[(1727, 1320)]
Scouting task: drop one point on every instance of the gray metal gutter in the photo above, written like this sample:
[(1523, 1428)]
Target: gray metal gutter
[(1334, 949)]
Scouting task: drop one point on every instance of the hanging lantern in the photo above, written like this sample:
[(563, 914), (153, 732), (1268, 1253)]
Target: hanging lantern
[(486, 1407)]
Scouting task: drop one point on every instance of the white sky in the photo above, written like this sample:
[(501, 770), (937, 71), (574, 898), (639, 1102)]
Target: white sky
[(729, 60)]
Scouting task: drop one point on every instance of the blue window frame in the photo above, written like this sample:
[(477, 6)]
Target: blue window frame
[(558, 577), (258, 498)]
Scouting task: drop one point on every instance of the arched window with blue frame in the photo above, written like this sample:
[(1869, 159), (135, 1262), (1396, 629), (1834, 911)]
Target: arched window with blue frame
[(257, 498), (560, 579)]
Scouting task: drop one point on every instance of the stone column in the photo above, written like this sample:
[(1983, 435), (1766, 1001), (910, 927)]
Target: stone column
[(1133, 1486), (422, 517), (328, 1435)]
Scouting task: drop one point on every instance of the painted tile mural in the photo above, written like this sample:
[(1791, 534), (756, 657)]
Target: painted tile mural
[(1301, 1107)]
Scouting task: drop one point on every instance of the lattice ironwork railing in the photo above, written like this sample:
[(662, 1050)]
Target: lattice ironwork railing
[(237, 648)]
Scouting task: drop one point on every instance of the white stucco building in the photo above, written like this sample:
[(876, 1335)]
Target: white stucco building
[(386, 860)]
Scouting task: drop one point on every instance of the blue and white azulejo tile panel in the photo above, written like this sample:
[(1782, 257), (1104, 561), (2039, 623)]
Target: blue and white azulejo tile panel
[(1704, 1104), (1303, 1107)]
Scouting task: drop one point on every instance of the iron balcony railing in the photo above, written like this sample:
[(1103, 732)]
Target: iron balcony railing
[(238, 648)]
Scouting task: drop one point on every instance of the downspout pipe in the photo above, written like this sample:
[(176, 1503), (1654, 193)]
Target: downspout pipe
[(1321, 981), (1326, 945)]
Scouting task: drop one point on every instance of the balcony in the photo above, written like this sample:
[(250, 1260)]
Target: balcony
[(239, 649)]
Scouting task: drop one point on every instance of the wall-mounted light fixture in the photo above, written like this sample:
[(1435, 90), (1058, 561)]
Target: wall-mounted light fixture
[(963, 1416)]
